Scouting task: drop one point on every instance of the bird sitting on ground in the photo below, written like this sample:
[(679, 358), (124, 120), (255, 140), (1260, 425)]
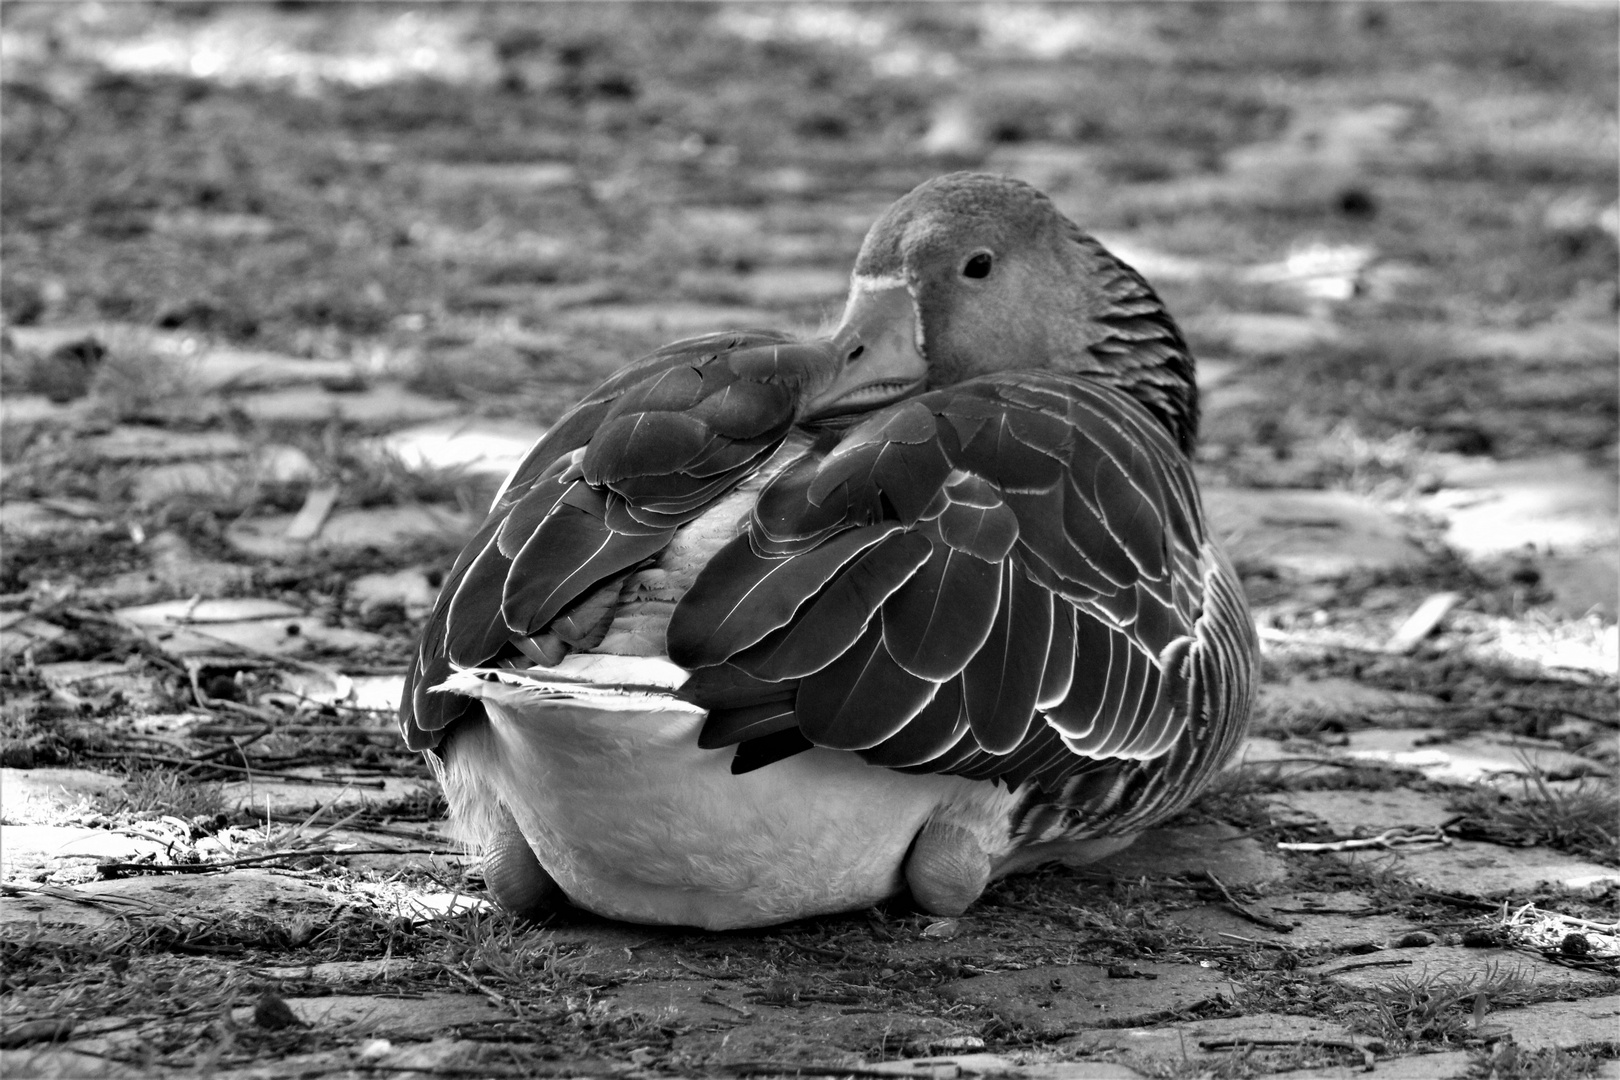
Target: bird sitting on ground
[(768, 628)]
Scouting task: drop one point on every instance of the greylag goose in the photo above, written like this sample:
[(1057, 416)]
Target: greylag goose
[(767, 628)]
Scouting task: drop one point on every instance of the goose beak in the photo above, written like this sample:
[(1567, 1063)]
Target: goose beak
[(877, 348)]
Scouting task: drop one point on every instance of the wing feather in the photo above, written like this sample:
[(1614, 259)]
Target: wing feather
[(742, 595), (861, 698), (1002, 683), (938, 621), (839, 614)]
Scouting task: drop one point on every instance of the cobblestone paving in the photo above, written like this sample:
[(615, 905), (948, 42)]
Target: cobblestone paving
[(287, 290)]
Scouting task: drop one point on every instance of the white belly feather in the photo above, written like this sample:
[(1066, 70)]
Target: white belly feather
[(636, 822)]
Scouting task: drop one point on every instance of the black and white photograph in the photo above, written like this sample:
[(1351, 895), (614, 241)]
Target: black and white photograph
[(915, 539)]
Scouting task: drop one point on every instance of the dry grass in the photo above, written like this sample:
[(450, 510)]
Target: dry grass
[(1438, 1010)]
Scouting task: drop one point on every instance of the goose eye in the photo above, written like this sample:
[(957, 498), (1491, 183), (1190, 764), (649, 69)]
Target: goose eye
[(978, 265)]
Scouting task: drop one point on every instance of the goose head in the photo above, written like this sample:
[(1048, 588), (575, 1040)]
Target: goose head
[(971, 275)]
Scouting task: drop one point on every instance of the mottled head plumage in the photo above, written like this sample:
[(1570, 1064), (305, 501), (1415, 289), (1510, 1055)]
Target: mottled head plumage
[(1045, 295), (993, 208)]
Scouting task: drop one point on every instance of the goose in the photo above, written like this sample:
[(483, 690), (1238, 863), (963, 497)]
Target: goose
[(767, 628)]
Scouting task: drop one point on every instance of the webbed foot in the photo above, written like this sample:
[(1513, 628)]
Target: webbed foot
[(947, 869), (515, 878)]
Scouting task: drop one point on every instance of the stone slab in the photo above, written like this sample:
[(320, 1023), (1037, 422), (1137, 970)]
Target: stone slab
[(380, 692), (96, 904), (1452, 1065), (1484, 756), (253, 624), (1559, 503), (384, 1016), (42, 796), (374, 527), (407, 1059), (36, 520), (173, 568), (28, 851), (1362, 813), (146, 444), (1307, 533), (1219, 849), (1333, 697), (1458, 965), (1182, 1042), (1333, 928), (495, 447), (409, 589), (1490, 870), (51, 1062), (379, 408), (1280, 759), (1053, 999), (233, 610), (1563, 1025)]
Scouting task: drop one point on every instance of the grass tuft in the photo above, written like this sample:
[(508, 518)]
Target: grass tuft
[(1579, 819), (1407, 1012), (165, 792)]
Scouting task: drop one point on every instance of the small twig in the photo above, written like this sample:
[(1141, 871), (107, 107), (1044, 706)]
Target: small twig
[(1372, 964), (318, 505), (1452, 898), (707, 974), (236, 746), (1387, 839), (1422, 622), (1237, 908), (1252, 941)]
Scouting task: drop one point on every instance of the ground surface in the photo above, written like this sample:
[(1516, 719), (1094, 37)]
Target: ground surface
[(286, 289)]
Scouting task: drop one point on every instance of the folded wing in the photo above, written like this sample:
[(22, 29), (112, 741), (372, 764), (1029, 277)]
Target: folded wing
[(647, 451), (1006, 579)]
